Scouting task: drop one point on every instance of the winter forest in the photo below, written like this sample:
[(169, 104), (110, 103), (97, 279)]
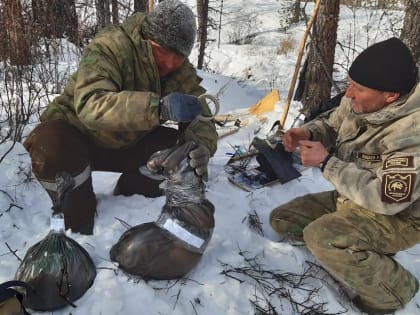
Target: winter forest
[(35, 36), (243, 50)]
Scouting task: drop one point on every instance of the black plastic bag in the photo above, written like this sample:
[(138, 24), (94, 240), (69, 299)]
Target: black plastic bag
[(58, 269), (155, 250), (173, 245)]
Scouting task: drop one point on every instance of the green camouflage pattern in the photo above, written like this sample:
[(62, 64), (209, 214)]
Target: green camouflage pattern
[(376, 155), (374, 211), (355, 245), (114, 95)]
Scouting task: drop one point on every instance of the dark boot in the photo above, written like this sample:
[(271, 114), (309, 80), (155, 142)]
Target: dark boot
[(135, 183), (128, 160), (80, 195)]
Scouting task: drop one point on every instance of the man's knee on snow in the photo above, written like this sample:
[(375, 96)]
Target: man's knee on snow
[(285, 225), (329, 233)]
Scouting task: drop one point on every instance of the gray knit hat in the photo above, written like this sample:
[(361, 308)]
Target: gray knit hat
[(172, 25)]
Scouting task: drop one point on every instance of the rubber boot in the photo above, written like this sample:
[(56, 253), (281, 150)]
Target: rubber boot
[(135, 183)]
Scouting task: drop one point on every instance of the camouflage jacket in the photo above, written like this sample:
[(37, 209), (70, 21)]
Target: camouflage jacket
[(376, 158), (114, 95)]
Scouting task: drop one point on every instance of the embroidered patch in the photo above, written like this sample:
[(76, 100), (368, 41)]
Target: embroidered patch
[(397, 187), (369, 157), (399, 162)]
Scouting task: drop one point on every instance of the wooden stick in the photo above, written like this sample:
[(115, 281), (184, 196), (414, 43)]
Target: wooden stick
[(243, 156), (298, 62), (228, 133), (151, 4)]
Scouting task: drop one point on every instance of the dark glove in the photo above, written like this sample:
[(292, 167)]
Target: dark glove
[(179, 107), (199, 158)]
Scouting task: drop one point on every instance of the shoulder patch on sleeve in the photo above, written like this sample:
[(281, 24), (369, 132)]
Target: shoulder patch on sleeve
[(399, 162), (397, 187), (369, 157)]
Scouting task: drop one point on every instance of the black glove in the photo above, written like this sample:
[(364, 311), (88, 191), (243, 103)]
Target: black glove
[(179, 107), (199, 158)]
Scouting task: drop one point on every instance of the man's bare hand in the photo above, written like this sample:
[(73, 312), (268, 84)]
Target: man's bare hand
[(312, 153), (292, 137)]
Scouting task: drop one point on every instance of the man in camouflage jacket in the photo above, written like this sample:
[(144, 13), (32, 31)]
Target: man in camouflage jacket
[(131, 79), (369, 149)]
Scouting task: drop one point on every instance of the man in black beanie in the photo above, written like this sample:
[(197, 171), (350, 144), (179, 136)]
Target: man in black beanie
[(131, 79), (369, 149)]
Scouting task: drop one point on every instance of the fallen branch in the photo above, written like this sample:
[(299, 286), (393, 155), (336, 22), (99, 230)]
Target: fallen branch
[(123, 223), (254, 222), (12, 204), (285, 286)]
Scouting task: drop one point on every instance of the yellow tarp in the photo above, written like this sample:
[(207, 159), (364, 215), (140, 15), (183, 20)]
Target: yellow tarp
[(266, 104)]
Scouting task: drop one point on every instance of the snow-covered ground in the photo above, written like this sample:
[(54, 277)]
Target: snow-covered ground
[(219, 283)]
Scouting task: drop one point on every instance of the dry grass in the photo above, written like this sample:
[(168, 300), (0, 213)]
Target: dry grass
[(286, 45)]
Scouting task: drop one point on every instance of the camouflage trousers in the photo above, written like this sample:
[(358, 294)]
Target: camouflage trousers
[(354, 245)]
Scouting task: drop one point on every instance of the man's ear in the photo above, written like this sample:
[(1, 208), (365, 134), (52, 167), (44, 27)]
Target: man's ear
[(391, 96)]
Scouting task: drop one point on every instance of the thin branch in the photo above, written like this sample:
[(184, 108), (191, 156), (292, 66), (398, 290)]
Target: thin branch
[(276, 284), (13, 252), (125, 224)]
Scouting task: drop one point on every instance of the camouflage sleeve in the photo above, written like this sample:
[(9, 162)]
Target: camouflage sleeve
[(390, 185), (99, 100), (387, 190), (325, 127), (203, 132)]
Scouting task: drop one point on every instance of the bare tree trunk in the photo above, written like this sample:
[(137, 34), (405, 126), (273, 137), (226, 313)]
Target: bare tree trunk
[(102, 12), (72, 23), (14, 34), (220, 23), (202, 13), (141, 6), (381, 4), (55, 19), (318, 78), (115, 15), (410, 33), (296, 12)]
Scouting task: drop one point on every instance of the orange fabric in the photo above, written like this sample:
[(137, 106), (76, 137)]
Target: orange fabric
[(266, 104)]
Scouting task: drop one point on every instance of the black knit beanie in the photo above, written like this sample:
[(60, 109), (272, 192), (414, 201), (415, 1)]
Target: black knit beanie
[(172, 25), (385, 66)]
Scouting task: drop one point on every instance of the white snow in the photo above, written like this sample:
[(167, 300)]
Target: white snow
[(25, 207)]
